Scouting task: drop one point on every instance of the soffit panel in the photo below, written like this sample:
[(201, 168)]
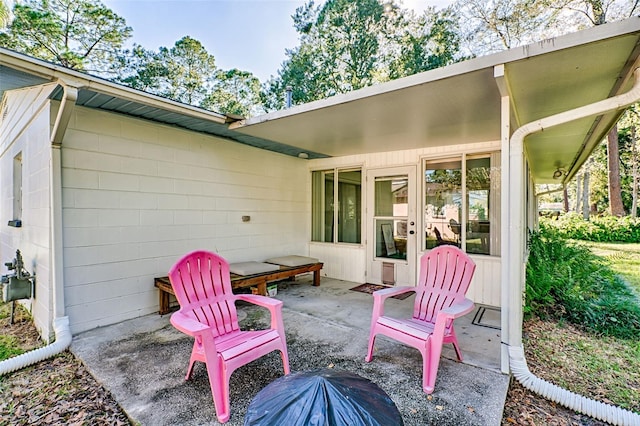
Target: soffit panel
[(566, 79), (563, 80), (14, 79), (107, 102), (460, 109)]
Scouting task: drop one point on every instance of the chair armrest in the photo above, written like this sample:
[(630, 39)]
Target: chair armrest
[(444, 319), (379, 296), (273, 305), (456, 310), (393, 291), (256, 299), (187, 325)]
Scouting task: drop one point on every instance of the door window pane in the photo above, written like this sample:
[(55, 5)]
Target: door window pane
[(478, 218), (391, 210), (443, 202), (391, 238), (391, 196)]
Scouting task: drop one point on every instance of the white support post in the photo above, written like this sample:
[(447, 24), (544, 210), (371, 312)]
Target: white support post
[(507, 192), (55, 199), (516, 242)]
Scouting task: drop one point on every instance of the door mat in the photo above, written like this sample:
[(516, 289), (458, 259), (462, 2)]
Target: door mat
[(370, 288), (487, 316)]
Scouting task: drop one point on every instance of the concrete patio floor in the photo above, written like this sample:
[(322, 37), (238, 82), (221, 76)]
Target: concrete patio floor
[(142, 362)]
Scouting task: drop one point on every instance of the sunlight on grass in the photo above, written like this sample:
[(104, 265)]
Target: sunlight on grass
[(623, 257), (566, 280)]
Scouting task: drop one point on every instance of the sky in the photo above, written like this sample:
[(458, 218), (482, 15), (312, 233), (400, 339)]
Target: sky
[(250, 35)]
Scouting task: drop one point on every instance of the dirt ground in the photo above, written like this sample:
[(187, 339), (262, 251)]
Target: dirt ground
[(53, 392), (61, 391), (523, 407)]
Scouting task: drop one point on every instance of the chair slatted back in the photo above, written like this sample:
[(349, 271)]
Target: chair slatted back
[(202, 284), (445, 276)]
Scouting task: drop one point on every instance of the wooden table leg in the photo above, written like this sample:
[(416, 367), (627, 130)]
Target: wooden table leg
[(262, 288), (164, 302), (316, 278)]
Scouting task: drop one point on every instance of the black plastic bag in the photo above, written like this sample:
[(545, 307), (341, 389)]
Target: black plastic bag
[(323, 397)]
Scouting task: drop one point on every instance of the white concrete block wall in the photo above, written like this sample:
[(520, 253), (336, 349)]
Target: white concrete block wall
[(31, 139), (483, 288), (341, 261), (349, 262), (137, 196)]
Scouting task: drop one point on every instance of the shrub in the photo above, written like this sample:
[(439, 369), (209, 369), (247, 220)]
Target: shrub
[(565, 281), (600, 229)]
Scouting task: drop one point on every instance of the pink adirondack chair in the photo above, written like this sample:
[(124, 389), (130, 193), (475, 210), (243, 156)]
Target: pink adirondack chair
[(202, 284), (445, 275)]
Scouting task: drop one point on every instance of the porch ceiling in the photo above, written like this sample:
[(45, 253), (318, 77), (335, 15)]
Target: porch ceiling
[(563, 80), (460, 104), (449, 110)]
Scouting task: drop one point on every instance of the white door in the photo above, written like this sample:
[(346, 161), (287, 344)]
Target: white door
[(391, 226)]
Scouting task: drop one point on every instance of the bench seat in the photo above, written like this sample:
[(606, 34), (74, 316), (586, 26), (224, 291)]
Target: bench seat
[(258, 280)]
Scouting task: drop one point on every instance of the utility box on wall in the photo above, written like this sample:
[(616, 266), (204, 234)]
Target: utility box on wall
[(20, 284), (16, 289)]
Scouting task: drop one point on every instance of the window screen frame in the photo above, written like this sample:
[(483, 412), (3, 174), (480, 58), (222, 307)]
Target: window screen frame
[(494, 197), (320, 198)]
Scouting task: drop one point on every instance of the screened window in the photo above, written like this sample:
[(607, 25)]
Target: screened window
[(462, 203), (336, 206), (17, 187)]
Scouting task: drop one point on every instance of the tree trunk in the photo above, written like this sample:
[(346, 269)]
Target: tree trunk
[(634, 179), (599, 14), (578, 193), (585, 195), (615, 192)]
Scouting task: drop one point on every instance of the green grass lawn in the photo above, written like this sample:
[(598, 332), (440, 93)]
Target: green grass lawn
[(624, 259), (9, 345), (571, 346)]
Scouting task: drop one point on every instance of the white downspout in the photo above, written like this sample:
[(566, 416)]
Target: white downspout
[(62, 342), (517, 362), (60, 322)]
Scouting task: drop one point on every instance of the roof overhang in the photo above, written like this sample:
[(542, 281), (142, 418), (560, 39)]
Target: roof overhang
[(20, 71), (460, 104)]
